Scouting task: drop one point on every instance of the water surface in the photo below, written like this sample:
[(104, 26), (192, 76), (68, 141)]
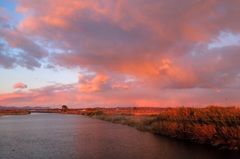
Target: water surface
[(75, 136)]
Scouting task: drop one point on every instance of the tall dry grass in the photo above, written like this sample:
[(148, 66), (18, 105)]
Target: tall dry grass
[(218, 126)]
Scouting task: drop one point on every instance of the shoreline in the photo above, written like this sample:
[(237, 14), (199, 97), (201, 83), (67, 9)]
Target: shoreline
[(215, 126)]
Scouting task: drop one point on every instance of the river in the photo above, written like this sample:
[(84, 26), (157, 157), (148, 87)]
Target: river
[(43, 136)]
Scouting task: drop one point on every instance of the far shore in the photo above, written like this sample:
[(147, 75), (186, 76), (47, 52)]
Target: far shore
[(14, 112)]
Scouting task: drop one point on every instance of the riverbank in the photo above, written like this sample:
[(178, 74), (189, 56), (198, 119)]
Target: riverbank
[(216, 126), (14, 112)]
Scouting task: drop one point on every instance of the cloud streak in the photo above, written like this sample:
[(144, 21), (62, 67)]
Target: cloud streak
[(58, 94)]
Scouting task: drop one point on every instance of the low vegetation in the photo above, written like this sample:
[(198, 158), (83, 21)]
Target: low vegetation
[(217, 126)]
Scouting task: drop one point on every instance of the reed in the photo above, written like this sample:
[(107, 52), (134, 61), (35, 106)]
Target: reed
[(217, 126)]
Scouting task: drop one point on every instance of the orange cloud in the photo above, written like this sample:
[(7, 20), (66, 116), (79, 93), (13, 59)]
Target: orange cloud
[(92, 85)]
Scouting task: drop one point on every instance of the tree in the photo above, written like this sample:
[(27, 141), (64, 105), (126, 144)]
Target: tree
[(64, 107)]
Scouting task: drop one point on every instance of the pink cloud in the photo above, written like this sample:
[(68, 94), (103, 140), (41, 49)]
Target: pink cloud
[(142, 39), (19, 85), (122, 86)]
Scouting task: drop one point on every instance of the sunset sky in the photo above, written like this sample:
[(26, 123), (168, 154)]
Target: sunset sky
[(110, 53)]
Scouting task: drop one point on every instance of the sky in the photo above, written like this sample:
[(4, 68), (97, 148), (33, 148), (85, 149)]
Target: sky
[(101, 53)]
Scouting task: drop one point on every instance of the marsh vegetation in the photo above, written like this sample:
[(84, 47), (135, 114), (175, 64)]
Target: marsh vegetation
[(217, 126)]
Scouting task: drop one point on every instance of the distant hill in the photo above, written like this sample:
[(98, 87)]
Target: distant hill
[(22, 108)]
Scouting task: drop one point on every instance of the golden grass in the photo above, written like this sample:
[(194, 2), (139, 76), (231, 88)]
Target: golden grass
[(218, 126)]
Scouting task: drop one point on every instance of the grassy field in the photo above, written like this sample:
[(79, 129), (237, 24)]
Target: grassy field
[(217, 126)]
